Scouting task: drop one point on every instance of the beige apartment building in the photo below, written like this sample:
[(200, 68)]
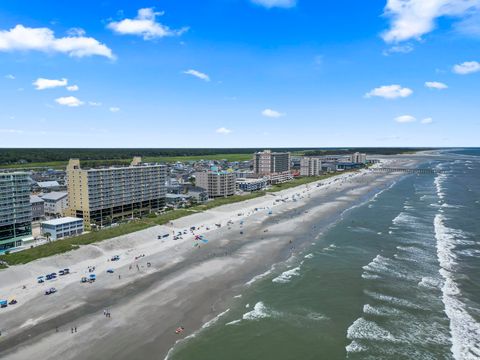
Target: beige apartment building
[(216, 183), (358, 158), (267, 162), (104, 195), (310, 166)]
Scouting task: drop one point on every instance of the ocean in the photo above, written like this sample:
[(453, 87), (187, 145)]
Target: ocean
[(397, 277)]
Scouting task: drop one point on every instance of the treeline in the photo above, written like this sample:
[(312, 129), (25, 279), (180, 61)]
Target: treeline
[(368, 151), (26, 156)]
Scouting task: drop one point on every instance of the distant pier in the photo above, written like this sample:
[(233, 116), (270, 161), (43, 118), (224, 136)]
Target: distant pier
[(423, 171)]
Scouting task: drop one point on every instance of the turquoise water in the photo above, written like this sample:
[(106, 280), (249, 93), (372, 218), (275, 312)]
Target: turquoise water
[(396, 278)]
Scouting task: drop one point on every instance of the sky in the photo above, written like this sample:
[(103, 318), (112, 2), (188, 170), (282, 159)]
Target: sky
[(239, 73)]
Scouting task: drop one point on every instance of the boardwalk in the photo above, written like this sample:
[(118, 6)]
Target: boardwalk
[(408, 171)]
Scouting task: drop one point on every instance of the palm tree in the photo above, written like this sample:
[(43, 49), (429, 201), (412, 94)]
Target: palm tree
[(47, 235)]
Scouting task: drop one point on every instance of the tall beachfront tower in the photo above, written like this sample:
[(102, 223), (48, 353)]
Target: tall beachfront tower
[(104, 195), (268, 162), (15, 209)]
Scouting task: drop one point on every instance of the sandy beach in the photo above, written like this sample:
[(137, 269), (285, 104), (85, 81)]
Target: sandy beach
[(161, 284)]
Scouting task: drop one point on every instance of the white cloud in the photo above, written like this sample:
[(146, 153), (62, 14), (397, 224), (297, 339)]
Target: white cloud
[(436, 85), (73, 88), (93, 103), (467, 67), (428, 120), (22, 38), (197, 74), (11, 131), (10, 77), (223, 131), (272, 113), (402, 49), (76, 32), (42, 83), (70, 101), (410, 19), (390, 92), (114, 109), (275, 3), (144, 25), (405, 119)]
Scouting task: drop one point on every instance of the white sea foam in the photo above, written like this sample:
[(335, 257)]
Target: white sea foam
[(215, 319), (234, 322), (464, 329), (286, 276), (309, 256), (430, 283), (403, 218), (355, 347), (259, 277), (381, 310), (260, 311), (370, 276), (368, 330), (392, 300)]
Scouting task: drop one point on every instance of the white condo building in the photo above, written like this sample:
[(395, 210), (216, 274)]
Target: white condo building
[(310, 166)]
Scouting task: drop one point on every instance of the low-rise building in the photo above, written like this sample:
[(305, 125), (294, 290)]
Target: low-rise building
[(177, 199), (244, 184), (310, 166), (200, 195), (56, 203), (38, 208), (62, 227), (278, 178), (216, 183)]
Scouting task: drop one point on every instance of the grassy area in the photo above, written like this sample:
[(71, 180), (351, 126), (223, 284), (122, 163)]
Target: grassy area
[(162, 159), (298, 182), (228, 200)]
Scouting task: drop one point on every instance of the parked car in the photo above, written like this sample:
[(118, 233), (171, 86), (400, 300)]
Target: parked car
[(50, 291)]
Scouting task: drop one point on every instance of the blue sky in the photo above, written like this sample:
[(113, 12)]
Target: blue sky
[(239, 73)]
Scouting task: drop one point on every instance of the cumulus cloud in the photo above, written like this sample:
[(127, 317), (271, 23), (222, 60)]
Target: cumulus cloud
[(197, 74), (94, 103), (410, 19), (275, 3), (428, 120), (145, 25), (10, 77), (70, 101), (114, 109), (272, 113), (73, 88), (405, 119), (223, 131), (468, 67), (398, 49), (21, 38), (42, 83), (390, 92), (436, 85)]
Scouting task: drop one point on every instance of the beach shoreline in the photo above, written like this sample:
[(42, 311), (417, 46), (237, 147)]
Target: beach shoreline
[(185, 284)]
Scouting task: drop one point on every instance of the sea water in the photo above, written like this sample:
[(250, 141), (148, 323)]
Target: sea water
[(397, 278)]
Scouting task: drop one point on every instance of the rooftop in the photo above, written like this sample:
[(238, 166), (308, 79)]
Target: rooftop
[(54, 195), (61, 221)]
